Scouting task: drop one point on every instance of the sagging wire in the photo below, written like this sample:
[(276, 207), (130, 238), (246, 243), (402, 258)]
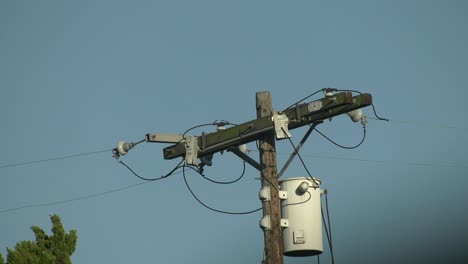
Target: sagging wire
[(358, 92), (302, 161), (225, 182), (209, 207), (341, 146), (327, 230), (152, 179)]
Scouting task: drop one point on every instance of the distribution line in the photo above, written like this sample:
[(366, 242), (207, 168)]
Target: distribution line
[(421, 124), (73, 199), (52, 159), (407, 163)]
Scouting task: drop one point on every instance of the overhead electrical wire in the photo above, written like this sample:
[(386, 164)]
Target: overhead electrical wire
[(308, 199), (378, 161), (53, 159), (179, 166), (215, 123), (308, 96), (226, 182), (172, 172), (422, 124), (373, 107), (327, 230), (341, 146), (72, 199), (152, 179), (209, 207), (302, 161)]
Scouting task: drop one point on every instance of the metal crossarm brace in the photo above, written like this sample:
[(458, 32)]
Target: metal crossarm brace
[(246, 158), (300, 115)]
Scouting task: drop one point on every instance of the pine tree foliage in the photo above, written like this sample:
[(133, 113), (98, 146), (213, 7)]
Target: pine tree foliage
[(54, 249)]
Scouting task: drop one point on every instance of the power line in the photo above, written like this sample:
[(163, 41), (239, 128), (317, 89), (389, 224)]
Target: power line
[(406, 163), (302, 161), (421, 124), (53, 159), (73, 199), (341, 146), (211, 208), (327, 230), (226, 182), (151, 179), (172, 172)]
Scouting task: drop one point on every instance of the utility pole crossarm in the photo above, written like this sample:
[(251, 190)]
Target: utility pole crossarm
[(300, 115)]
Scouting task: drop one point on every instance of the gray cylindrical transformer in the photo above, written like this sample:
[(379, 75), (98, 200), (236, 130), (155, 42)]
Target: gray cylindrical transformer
[(303, 235)]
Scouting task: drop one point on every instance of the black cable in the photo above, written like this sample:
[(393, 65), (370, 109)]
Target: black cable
[(328, 217), (302, 161), (210, 208), (152, 179), (197, 126), (378, 117), (143, 140), (215, 123), (373, 107), (227, 182), (52, 159), (91, 195), (308, 199), (310, 95), (73, 199), (341, 146), (330, 244)]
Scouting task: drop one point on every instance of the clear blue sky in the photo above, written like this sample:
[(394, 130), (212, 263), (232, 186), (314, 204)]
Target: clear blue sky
[(78, 76)]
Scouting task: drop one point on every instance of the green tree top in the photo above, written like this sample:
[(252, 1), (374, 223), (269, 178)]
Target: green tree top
[(54, 249)]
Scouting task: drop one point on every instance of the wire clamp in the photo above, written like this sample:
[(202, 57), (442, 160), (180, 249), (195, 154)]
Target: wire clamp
[(284, 223)]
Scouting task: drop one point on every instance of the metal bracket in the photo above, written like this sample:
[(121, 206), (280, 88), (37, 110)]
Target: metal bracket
[(164, 138), (293, 155), (314, 106), (246, 158), (281, 122), (284, 223), (191, 150), (283, 195)]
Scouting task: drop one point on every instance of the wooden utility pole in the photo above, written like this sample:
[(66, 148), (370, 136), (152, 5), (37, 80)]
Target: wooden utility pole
[(269, 178), (263, 129)]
